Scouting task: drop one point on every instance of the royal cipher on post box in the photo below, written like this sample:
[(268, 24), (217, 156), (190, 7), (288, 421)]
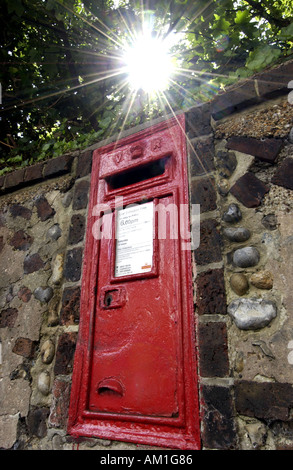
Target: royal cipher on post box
[(135, 374)]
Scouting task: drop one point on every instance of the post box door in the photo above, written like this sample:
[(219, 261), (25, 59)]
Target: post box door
[(136, 363)]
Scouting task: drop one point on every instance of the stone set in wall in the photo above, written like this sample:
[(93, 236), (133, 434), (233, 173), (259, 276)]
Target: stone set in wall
[(247, 313)]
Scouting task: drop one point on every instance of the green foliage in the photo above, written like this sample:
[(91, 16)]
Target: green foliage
[(261, 57), (60, 88)]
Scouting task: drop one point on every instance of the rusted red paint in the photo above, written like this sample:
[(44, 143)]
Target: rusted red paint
[(135, 374)]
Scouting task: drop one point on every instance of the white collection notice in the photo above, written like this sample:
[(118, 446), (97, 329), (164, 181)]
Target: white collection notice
[(134, 239)]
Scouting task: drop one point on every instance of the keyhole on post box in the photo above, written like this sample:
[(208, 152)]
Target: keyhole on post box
[(108, 299)]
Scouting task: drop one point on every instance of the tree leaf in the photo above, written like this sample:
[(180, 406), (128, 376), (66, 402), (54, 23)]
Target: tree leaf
[(104, 123), (5, 170), (287, 33), (16, 159), (242, 17), (262, 57)]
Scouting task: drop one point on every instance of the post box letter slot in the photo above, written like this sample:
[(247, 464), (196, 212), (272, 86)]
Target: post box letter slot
[(137, 175), (110, 386)]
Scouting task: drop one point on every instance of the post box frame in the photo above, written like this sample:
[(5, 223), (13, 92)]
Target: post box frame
[(182, 432)]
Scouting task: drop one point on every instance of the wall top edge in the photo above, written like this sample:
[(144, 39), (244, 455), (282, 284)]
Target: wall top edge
[(268, 84)]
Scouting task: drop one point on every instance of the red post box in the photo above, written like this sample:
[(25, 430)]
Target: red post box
[(135, 374)]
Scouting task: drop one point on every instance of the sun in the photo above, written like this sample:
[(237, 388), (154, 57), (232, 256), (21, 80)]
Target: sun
[(149, 64)]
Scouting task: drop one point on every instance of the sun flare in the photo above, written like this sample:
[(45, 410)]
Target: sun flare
[(149, 63)]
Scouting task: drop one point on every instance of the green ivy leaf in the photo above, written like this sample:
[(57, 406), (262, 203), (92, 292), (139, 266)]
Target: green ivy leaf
[(287, 33), (242, 73), (5, 170), (262, 57), (104, 123), (16, 159), (46, 147)]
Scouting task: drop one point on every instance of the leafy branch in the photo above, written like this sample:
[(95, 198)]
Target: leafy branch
[(58, 90)]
